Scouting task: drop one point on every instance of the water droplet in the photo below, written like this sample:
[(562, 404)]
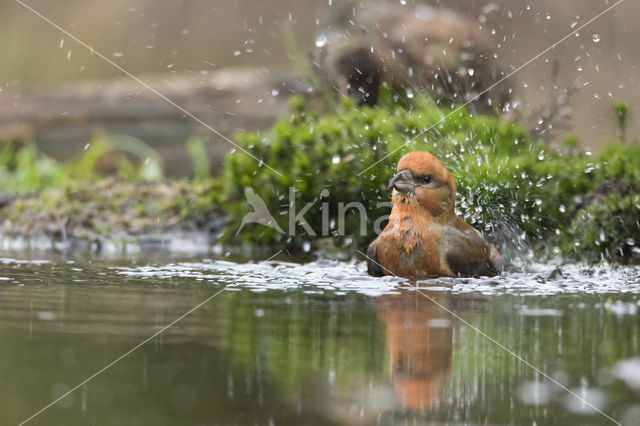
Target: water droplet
[(321, 40), (590, 401)]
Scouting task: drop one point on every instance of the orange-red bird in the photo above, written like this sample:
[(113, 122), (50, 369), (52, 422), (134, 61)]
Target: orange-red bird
[(424, 236)]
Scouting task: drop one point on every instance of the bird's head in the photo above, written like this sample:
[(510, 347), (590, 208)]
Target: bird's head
[(422, 179)]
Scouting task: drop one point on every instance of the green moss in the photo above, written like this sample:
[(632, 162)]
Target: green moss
[(107, 207), (517, 189), (72, 199), (28, 170), (622, 116), (607, 229), (521, 192)]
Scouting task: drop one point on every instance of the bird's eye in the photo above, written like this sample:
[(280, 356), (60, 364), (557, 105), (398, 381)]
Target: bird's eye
[(426, 179)]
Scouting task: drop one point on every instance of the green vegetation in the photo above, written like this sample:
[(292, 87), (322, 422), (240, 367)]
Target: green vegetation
[(524, 194), (40, 196), (520, 191), (28, 170), (622, 116)]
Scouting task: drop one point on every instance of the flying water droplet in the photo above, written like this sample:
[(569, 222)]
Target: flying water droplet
[(321, 40)]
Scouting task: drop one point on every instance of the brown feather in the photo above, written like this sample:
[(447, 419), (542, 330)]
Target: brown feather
[(424, 236)]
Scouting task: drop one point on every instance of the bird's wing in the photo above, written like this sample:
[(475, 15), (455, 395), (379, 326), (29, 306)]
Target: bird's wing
[(373, 267), (468, 253)]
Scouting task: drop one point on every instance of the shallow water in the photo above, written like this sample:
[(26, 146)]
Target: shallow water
[(315, 343)]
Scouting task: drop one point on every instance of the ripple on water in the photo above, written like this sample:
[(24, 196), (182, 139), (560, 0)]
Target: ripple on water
[(333, 276)]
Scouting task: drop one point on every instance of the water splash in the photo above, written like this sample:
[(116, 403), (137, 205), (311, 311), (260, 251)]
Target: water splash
[(340, 277)]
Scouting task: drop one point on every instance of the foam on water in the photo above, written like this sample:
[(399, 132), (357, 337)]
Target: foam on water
[(316, 277), (330, 275)]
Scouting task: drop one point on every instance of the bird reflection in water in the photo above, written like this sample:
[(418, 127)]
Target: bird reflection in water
[(419, 344), (419, 341)]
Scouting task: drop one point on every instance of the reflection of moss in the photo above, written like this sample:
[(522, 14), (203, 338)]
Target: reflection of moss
[(319, 348), (509, 184), (302, 339)]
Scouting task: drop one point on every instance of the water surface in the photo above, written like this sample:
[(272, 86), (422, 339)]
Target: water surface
[(315, 343)]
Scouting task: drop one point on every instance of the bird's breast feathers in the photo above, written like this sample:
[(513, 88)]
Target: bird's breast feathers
[(407, 248)]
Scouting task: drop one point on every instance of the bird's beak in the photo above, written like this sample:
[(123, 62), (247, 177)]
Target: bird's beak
[(402, 181)]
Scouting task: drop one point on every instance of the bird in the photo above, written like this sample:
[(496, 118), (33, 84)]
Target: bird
[(424, 237)]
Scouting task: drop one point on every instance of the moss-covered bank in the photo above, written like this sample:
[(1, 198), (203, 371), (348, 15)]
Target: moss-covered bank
[(72, 205), (526, 195)]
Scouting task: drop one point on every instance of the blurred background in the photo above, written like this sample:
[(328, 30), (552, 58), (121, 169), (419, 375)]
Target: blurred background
[(162, 39)]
